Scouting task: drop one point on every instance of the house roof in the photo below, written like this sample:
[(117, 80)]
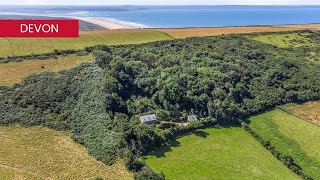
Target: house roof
[(148, 118), (192, 118)]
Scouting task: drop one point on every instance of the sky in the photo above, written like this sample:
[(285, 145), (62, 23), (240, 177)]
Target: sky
[(160, 2)]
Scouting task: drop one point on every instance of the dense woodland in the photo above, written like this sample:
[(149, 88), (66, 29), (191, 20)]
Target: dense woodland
[(221, 79)]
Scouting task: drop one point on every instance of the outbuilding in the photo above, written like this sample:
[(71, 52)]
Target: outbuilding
[(192, 118), (148, 119)]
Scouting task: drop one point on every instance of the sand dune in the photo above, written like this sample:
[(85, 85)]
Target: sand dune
[(110, 23)]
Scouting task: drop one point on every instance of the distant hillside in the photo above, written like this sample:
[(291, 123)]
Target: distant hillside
[(84, 26)]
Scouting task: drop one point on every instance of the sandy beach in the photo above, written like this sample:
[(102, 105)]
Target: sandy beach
[(110, 23)]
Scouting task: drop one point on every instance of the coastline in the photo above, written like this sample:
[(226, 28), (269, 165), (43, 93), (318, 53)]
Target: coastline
[(185, 32), (110, 23)]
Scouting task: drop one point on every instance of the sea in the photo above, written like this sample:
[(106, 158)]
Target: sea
[(180, 16)]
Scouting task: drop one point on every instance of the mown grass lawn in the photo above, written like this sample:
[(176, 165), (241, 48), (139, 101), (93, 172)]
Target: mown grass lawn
[(26, 46), (226, 153), (14, 72), (291, 135), (41, 153)]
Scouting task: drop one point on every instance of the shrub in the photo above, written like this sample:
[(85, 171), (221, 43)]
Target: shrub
[(82, 53), (148, 174)]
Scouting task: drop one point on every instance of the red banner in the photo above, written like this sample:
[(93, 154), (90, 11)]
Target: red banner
[(39, 28)]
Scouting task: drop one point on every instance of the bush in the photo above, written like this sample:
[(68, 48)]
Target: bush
[(148, 174), (166, 125), (102, 58), (132, 163), (82, 53)]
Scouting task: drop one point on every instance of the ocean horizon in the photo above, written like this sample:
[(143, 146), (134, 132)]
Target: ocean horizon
[(179, 16)]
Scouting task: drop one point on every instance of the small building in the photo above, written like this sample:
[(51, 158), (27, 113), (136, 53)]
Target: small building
[(192, 118), (148, 119)]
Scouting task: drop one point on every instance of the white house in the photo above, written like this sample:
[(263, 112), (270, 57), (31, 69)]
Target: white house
[(148, 119), (192, 118)]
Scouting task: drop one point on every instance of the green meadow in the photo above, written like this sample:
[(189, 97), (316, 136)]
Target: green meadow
[(291, 135), (26, 46), (224, 153), (285, 40)]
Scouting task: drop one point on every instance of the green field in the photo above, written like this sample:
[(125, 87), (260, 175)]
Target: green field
[(285, 40), (26, 46), (291, 135), (226, 153), (41, 153)]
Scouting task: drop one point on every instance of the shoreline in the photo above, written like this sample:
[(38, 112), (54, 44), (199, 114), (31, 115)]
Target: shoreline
[(110, 23)]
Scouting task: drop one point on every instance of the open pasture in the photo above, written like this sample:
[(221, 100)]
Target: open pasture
[(26, 46), (285, 40), (14, 72), (214, 31), (291, 135), (225, 153), (41, 153)]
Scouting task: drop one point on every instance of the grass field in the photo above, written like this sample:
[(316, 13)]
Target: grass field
[(26, 46), (200, 32), (291, 135), (309, 111), (41, 153), (14, 72), (226, 153), (285, 40)]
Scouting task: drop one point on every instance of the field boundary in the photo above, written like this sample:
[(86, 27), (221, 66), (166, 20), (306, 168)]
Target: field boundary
[(170, 36)]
